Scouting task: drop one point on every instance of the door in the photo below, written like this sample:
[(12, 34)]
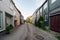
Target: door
[(55, 23)]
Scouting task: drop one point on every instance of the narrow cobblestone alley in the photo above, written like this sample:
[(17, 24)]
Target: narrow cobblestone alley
[(29, 19), (27, 31)]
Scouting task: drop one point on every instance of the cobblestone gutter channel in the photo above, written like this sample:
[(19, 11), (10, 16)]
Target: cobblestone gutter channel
[(38, 37), (34, 36)]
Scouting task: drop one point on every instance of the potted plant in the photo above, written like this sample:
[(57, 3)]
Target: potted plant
[(11, 26), (8, 28)]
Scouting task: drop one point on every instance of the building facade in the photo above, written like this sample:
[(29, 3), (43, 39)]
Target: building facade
[(6, 14), (41, 11), (50, 11), (54, 7), (17, 16)]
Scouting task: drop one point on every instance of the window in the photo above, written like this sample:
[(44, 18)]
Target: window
[(46, 5), (11, 6), (46, 17), (45, 8), (52, 1), (0, 19), (14, 13), (38, 13), (41, 12)]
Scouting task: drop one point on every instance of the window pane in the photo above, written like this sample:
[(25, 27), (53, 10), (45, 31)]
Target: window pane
[(0, 19), (46, 17), (11, 6), (45, 11), (41, 12), (52, 1), (45, 6)]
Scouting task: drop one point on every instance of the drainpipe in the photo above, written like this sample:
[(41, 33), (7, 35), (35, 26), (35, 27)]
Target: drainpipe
[(48, 13)]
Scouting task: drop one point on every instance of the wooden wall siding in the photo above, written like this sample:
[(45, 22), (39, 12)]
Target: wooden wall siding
[(54, 5), (59, 22), (55, 23)]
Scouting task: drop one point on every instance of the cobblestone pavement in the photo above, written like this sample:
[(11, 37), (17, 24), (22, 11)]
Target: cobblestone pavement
[(39, 34), (18, 34), (28, 32)]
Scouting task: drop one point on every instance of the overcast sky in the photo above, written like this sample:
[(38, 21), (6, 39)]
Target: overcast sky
[(27, 7)]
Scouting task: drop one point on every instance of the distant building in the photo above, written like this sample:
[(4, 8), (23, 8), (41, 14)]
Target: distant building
[(21, 19), (17, 16)]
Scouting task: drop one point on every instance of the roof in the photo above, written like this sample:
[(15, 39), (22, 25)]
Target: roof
[(15, 6)]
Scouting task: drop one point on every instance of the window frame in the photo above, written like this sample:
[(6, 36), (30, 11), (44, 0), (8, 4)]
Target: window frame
[(1, 13)]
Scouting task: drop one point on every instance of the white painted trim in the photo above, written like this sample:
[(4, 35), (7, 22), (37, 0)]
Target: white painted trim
[(53, 12), (58, 9), (1, 30)]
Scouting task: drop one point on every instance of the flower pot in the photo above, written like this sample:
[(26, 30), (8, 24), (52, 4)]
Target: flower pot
[(7, 32)]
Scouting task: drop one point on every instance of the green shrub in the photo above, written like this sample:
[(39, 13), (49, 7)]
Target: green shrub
[(40, 22), (9, 27), (58, 37)]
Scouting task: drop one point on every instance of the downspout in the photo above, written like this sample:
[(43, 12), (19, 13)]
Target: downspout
[(48, 13)]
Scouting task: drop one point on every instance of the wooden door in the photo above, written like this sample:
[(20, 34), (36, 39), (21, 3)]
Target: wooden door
[(55, 23)]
